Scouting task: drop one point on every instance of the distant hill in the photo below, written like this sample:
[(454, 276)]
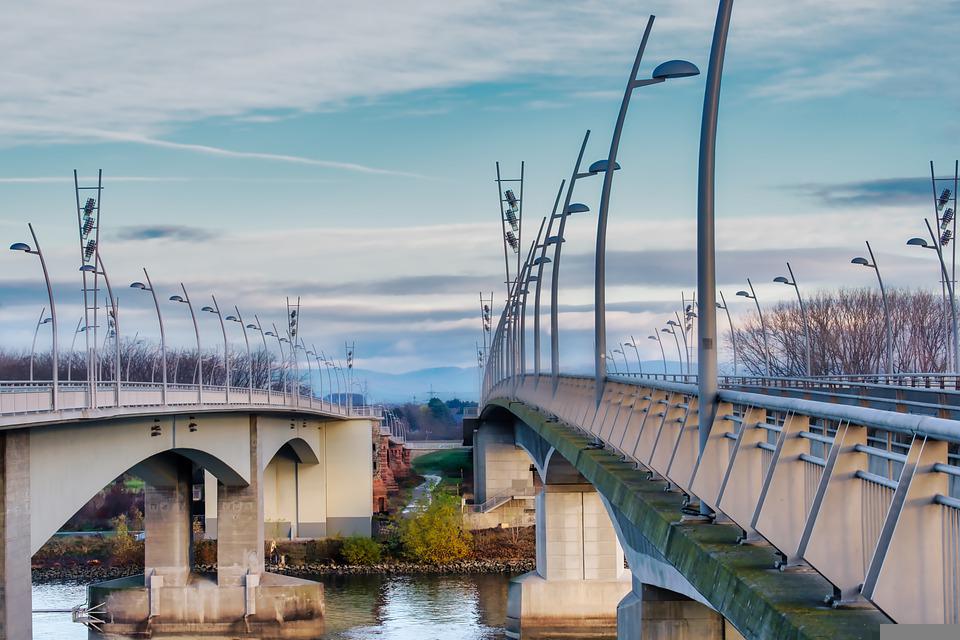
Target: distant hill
[(447, 383)]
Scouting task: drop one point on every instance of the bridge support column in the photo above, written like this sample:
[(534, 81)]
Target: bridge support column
[(500, 467), (651, 613), (240, 523), (15, 580), (166, 523), (580, 577)]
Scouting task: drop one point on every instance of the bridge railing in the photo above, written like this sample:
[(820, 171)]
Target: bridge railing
[(37, 397), (867, 497)]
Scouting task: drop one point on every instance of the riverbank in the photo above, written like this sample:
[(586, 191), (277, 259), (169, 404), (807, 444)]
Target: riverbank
[(99, 573)]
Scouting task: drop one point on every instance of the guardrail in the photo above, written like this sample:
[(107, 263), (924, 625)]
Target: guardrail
[(37, 397), (870, 498)]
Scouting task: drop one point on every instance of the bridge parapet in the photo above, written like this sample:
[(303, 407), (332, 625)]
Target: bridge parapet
[(867, 497)]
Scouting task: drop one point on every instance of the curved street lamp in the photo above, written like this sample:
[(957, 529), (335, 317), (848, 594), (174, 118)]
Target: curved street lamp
[(673, 332), (613, 361), (239, 319), (733, 335), (283, 360), (920, 242), (665, 71), (792, 282), (33, 347), (752, 295), (538, 262), (636, 350), (185, 299), (55, 359), (163, 339), (266, 352), (872, 264), (678, 326), (215, 310), (73, 343), (621, 352), (663, 354)]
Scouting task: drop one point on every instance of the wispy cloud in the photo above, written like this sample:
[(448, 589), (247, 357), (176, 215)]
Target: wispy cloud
[(832, 79), (164, 232), (868, 193)]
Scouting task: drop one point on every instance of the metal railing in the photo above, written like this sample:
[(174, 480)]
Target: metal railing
[(868, 497), (501, 498), (18, 398)]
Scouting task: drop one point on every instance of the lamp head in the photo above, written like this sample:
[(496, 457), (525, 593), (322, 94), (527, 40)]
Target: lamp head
[(46, 321), (20, 246), (271, 334), (253, 326), (861, 261), (744, 294), (541, 260), (917, 242), (600, 166), (781, 280), (177, 299), (652, 338), (208, 308), (138, 285), (577, 207), (672, 323), (675, 69), (232, 318), (88, 268)]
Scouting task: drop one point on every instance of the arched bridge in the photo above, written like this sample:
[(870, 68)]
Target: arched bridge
[(828, 519), (300, 464)]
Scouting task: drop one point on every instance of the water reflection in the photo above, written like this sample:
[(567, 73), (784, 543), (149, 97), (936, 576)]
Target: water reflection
[(358, 608)]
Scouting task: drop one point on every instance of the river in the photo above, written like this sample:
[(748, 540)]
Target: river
[(422, 607)]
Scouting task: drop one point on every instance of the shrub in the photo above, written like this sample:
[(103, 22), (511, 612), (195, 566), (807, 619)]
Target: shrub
[(205, 552), (125, 550), (436, 534), (360, 550), (318, 551)]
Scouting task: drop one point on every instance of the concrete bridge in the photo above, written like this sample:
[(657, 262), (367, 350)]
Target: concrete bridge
[(830, 519), (300, 464)]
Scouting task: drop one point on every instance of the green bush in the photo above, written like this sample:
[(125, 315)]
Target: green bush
[(360, 550), (436, 534)]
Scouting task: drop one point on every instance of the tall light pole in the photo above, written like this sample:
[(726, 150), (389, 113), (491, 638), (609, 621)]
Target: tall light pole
[(752, 295), (636, 350), (872, 264), (163, 339), (920, 242), (239, 318), (557, 241), (55, 355), (306, 356), (185, 299), (663, 354), (673, 332), (733, 335), (323, 359), (665, 71), (73, 344), (613, 361), (678, 325), (316, 359), (624, 354), (283, 374), (538, 262), (266, 352), (215, 310), (36, 329), (792, 282), (706, 235)]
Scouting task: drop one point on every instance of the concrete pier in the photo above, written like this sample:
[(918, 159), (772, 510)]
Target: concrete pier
[(580, 576), (15, 595), (651, 613)]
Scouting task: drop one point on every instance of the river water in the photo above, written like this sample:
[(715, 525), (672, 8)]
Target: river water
[(464, 607)]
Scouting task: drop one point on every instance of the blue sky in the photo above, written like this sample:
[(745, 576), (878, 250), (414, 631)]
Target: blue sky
[(345, 154)]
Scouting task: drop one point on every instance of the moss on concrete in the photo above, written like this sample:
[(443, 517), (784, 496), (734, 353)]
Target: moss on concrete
[(739, 580)]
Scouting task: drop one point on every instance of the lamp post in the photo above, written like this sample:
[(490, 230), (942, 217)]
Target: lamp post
[(33, 346), (677, 325), (538, 262), (623, 353), (266, 352), (665, 71), (636, 350), (557, 241), (663, 354), (283, 375), (239, 319), (55, 359), (733, 336), (706, 235), (114, 314), (673, 332), (792, 282), (306, 356), (613, 361), (163, 339), (215, 310), (73, 344), (316, 358), (920, 242), (872, 264), (185, 299), (752, 295)]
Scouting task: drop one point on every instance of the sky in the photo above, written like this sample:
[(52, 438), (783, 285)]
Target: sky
[(344, 153)]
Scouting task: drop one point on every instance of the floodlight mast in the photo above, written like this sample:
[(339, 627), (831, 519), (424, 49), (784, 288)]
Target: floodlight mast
[(946, 222), (511, 216), (88, 222)]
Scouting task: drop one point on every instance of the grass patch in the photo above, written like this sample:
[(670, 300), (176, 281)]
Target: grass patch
[(447, 463)]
